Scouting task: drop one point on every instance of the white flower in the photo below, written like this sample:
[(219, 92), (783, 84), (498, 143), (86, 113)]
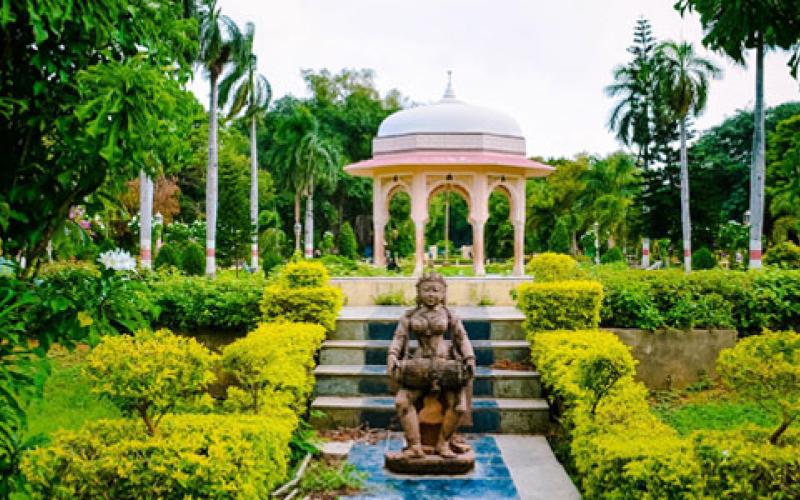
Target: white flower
[(117, 259)]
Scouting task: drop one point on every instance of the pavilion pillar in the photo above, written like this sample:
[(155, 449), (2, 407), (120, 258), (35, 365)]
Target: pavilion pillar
[(419, 247), (379, 218), (519, 248), (419, 214), (478, 259), (379, 246)]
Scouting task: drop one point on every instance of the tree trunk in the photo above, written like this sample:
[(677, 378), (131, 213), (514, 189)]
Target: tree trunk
[(211, 182), (297, 221), (309, 246), (757, 169), (254, 194), (686, 223), (145, 220)]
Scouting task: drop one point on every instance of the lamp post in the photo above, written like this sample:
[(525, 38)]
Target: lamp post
[(596, 227), (297, 229), (159, 219), (746, 218)]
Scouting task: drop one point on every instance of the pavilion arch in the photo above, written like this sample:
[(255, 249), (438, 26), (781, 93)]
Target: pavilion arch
[(458, 187)]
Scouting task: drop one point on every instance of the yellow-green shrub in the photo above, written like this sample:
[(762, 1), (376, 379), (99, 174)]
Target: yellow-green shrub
[(743, 464), (199, 456), (619, 448), (301, 295), (766, 369), (275, 358), (550, 266), (304, 273), (148, 373), (560, 304)]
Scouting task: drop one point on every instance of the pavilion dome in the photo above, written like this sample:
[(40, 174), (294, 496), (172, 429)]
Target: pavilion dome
[(449, 116)]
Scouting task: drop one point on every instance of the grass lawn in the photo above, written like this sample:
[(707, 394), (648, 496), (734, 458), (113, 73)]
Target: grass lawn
[(712, 408), (67, 401)]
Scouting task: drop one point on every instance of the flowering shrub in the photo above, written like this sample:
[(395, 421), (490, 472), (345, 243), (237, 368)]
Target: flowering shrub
[(148, 373), (193, 456), (118, 260), (276, 357)]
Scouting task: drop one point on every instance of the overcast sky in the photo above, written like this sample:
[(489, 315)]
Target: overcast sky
[(545, 63)]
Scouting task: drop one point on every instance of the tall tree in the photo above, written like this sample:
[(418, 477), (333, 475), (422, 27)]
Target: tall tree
[(733, 28), (89, 95), (252, 93), (632, 118), (683, 81), (220, 39), (318, 160), (783, 172)]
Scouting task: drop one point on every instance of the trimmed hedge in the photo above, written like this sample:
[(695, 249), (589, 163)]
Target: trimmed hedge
[(276, 357), (195, 303), (200, 456), (301, 295), (619, 448), (560, 304), (746, 301), (550, 266)]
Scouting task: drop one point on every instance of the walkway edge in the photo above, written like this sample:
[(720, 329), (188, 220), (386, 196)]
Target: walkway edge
[(534, 469)]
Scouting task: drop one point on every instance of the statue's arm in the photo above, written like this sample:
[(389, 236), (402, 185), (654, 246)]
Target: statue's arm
[(462, 344), (398, 346)]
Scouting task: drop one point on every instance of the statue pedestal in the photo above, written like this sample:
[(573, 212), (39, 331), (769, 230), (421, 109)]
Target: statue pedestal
[(430, 464)]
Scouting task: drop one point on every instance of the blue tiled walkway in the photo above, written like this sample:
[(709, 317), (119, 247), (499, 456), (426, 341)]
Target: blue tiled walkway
[(489, 480)]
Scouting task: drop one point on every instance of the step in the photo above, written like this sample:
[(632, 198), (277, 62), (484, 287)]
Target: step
[(373, 352), (379, 322), (372, 380), (498, 415)]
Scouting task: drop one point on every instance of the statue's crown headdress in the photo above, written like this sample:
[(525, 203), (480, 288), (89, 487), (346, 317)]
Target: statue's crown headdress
[(432, 277)]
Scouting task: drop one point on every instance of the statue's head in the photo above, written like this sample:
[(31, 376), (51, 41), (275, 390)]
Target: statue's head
[(431, 290)]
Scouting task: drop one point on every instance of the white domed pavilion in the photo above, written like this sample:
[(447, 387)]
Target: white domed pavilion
[(452, 145)]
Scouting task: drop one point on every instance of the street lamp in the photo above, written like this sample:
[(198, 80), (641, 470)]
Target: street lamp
[(297, 228), (159, 219), (746, 217)]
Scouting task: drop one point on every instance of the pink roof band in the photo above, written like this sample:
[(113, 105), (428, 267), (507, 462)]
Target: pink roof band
[(446, 158)]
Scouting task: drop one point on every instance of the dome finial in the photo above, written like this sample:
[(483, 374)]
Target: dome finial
[(448, 93)]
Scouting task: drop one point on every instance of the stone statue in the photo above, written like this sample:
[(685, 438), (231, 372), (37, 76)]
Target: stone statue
[(433, 384)]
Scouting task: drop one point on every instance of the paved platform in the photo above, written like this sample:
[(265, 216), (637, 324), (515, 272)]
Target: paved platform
[(506, 467)]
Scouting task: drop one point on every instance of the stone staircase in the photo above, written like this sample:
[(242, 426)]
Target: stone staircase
[(352, 387)]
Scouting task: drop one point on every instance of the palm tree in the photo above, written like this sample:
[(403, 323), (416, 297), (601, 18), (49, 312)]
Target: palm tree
[(252, 93), (317, 159), (683, 81), (611, 187), (219, 40)]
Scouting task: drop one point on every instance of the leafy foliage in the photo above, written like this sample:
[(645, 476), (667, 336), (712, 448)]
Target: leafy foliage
[(148, 373), (193, 259), (612, 255), (766, 370), (560, 304), (348, 247), (550, 266), (703, 259), (169, 255), (192, 455), (275, 357), (785, 255)]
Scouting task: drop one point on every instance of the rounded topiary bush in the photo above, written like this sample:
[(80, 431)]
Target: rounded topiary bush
[(703, 259), (785, 255), (612, 255), (193, 261), (550, 266), (348, 246), (169, 255)]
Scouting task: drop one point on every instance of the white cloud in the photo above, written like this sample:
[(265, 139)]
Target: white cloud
[(544, 63)]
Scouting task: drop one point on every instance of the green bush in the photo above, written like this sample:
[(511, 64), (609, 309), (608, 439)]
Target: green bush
[(193, 259), (348, 246), (396, 298), (551, 266), (703, 259), (168, 255), (746, 301), (613, 254), (196, 303), (619, 448), (148, 373), (193, 456), (276, 357), (785, 255), (560, 304), (766, 370), (300, 294), (742, 464)]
